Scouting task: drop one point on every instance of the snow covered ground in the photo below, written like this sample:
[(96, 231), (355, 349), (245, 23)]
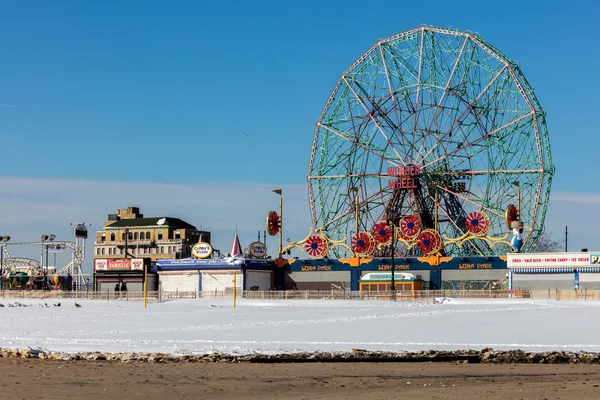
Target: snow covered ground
[(206, 325)]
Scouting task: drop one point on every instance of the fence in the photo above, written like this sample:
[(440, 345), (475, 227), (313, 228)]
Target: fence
[(426, 296)]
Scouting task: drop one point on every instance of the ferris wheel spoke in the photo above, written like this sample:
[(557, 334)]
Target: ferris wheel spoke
[(497, 213), (476, 141), (460, 231), (418, 87), (372, 119), (391, 91), (350, 210), (446, 86), (467, 109), (355, 143)]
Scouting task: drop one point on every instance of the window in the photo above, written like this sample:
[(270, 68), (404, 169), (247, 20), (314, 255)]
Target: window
[(162, 249), (102, 251), (160, 236), (169, 249), (147, 235), (177, 235), (135, 236), (103, 238), (121, 250), (123, 236), (98, 251), (112, 237), (130, 235)]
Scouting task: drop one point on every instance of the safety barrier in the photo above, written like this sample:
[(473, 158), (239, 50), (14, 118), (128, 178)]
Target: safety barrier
[(426, 296)]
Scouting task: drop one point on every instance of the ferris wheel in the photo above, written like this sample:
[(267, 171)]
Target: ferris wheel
[(438, 132)]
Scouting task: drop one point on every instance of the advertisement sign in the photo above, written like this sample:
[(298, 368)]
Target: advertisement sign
[(548, 260), (202, 250), (257, 250), (100, 265), (137, 264), (119, 264)]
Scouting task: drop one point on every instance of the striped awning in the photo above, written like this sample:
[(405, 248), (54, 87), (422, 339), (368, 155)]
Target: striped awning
[(554, 270)]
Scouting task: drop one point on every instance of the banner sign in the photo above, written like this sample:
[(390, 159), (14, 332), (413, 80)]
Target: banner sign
[(546, 260), (119, 264)]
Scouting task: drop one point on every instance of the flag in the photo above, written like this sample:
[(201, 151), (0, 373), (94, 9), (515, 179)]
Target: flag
[(278, 191), (236, 248)]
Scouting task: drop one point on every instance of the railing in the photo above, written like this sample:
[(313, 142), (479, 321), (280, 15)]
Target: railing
[(422, 296)]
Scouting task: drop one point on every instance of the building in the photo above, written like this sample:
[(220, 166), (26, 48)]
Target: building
[(156, 238), (214, 275), (131, 243), (561, 271)]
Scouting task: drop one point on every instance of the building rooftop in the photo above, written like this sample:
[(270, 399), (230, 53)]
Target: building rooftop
[(153, 221)]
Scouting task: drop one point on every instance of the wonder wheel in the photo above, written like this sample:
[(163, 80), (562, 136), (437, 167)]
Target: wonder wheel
[(437, 125)]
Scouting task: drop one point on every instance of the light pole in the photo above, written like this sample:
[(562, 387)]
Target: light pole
[(356, 217), (46, 239), (3, 240), (279, 192), (393, 286)]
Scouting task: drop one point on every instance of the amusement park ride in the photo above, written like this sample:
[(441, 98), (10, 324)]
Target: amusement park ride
[(27, 271), (422, 150)]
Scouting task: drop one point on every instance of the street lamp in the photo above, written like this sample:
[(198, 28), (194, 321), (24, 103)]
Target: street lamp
[(3, 240), (279, 192), (393, 285), (46, 239)]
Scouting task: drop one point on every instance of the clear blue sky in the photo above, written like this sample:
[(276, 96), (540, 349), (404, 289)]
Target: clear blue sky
[(90, 89), (100, 85)]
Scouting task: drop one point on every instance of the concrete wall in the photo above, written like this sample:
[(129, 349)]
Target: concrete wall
[(561, 281), (589, 280), (181, 282), (220, 281)]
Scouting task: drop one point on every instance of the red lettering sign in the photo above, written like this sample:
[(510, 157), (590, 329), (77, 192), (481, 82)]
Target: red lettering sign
[(410, 170)]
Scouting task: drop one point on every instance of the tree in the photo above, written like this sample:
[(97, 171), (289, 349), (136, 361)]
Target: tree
[(546, 244)]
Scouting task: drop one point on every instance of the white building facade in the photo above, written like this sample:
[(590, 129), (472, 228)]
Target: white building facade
[(562, 271)]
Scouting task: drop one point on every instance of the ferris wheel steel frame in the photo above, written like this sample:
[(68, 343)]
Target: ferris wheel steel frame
[(391, 108)]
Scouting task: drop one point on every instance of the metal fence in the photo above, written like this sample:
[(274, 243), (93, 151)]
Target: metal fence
[(425, 296)]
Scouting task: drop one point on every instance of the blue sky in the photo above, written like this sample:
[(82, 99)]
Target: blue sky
[(89, 90)]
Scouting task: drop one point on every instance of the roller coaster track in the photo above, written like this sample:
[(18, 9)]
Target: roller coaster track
[(73, 267)]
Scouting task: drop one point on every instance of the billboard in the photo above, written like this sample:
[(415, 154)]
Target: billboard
[(119, 264), (545, 260)]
